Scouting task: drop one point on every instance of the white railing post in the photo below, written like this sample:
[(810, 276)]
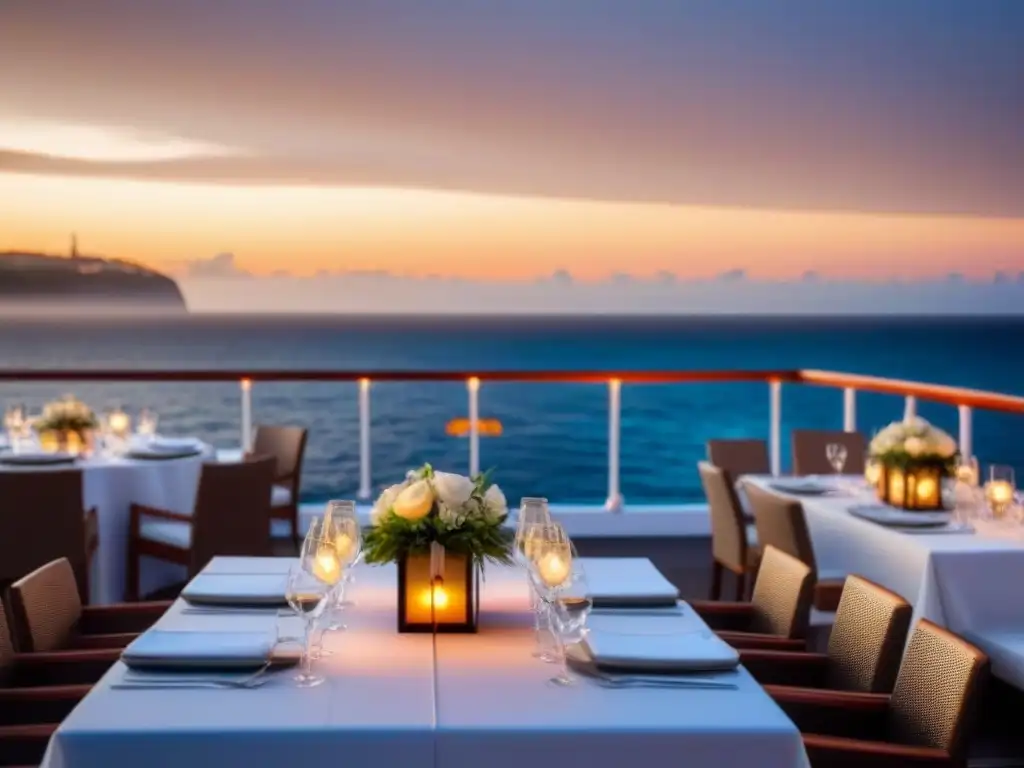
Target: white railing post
[(365, 490), (246, 385), (775, 426), (473, 386), (966, 441), (910, 408), (614, 502), (849, 410)]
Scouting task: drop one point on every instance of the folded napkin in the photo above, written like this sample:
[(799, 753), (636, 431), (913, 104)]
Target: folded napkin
[(159, 649), (890, 516), (668, 644), (262, 590), (627, 582), (173, 444), (803, 486)]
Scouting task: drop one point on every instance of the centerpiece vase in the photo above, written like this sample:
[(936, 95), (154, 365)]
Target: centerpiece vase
[(438, 591)]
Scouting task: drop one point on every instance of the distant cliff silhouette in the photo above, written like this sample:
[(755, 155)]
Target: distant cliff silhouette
[(29, 280)]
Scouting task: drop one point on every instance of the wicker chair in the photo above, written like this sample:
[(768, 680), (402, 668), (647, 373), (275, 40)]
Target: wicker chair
[(37, 691), (864, 649), (231, 517), (777, 615), (733, 542), (781, 523), (809, 451), (288, 447), (926, 720), (42, 518), (48, 615)]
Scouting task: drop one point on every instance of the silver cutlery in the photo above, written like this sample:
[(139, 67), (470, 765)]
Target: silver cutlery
[(203, 611), (640, 681), (636, 611)]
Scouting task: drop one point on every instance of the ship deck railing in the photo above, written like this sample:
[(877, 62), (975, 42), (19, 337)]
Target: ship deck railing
[(614, 518)]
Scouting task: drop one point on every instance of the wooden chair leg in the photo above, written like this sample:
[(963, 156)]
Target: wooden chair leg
[(716, 580), (741, 587)]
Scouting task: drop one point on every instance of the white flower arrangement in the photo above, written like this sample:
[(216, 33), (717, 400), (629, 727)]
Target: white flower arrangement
[(463, 514), (913, 441), (66, 415)]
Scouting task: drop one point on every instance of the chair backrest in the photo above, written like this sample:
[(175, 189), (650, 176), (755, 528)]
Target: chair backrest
[(868, 636), (42, 519), (728, 529), (232, 511), (740, 457), (781, 524), (783, 593), (288, 447), (937, 689), (809, 456), (46, 607)]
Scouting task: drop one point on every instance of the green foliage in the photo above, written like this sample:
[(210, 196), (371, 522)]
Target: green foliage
[(476, 535)]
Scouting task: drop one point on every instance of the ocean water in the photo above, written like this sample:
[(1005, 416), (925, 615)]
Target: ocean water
[(555, 435)]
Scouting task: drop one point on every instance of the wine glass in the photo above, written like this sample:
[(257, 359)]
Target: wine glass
[(147, 423), (307, 596), (344, 530), (551, 571), (967, 471), (14, 423), (533, 514), (836, 455), (1000, 489), (569, 614)]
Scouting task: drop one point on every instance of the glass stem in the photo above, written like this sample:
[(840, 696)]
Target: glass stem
[(307, 656)]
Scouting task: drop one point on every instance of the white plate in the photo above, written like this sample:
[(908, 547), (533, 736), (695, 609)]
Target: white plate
[(804, 487), (36, 459), (885, 515)]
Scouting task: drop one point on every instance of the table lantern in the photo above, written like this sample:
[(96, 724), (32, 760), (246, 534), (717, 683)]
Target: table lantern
[(437, 592), (917, 487)]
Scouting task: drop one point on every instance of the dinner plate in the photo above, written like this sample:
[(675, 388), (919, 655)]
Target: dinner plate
[(36, 459), (164, 455), (886, 515), (801, 487)]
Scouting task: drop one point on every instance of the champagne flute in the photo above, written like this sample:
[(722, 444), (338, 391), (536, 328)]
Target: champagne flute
[(319, 557), (533, 512), (569, 614), (307, 596), (346, 535), (551, 571), (147, 423)]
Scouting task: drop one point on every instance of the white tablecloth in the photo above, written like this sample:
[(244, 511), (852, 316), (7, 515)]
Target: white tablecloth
[(967, 582), (417, 701), (112, 486)]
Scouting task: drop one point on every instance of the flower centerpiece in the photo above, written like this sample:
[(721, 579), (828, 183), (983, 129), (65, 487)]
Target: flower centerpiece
[(440, 528), (911, 458), (66, 425)]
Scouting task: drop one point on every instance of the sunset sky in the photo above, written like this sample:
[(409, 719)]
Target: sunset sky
[(866, 139)]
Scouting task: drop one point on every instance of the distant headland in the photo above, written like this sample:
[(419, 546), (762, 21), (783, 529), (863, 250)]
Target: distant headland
[(30, 282)]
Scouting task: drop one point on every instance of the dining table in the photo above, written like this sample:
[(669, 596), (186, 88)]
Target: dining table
[(424, 700), (960, 575), (110, 485)]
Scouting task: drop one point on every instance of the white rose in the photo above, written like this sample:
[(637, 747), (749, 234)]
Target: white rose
[(452, 490), (415, 501), (451, 517), (947, 446), (915, 446), (383, 504), (917, 426), (495, 504)]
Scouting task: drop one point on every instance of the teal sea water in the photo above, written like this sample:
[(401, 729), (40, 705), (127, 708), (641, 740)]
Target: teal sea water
[(555, 435)]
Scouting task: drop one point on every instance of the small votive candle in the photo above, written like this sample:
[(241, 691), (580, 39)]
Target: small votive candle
[(553, 569), (119, 423), (435, 596), (344, 547), (999, 494), (872, 473), (326, 567)]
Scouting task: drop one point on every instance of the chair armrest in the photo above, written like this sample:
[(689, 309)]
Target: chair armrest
[(723, 615), (24, 744), (62, 667), (785, 668), (91, 642), (828, 750), (140, 510), (833, 713), (45, 704), (756, 640), (122, 617)]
